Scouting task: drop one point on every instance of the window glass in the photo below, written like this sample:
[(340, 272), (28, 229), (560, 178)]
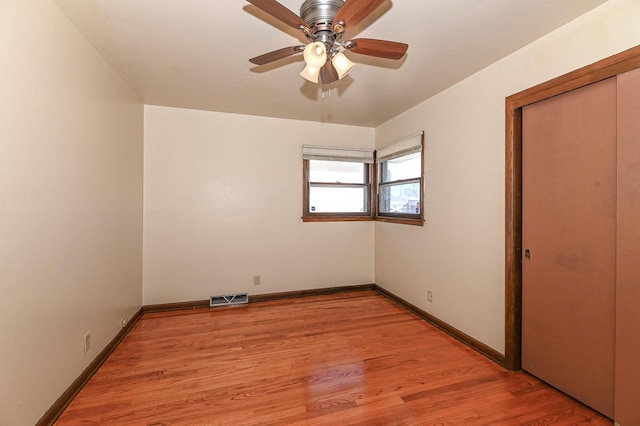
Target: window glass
[(338, 199), (401, 168), (400, 198), (336, 171)]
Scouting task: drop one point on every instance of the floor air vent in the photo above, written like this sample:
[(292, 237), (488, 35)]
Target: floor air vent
[(229, 299)]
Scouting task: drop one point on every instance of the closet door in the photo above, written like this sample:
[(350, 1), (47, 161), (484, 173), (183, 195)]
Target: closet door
[(569, 242), (628, 252)]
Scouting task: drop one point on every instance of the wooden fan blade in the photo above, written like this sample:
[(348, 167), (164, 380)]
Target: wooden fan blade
[(328, 73), (276, 54), (379, 48), (278, 11), (354, 11)]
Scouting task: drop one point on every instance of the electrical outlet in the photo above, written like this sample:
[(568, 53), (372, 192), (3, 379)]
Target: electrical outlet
[(256, 280), (430, 296), (87, 342)]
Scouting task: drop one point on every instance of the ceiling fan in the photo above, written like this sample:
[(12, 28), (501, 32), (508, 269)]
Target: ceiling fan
[(324, 23)]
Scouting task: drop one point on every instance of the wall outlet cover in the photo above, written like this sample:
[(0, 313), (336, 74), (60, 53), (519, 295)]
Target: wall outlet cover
[(87, 342)]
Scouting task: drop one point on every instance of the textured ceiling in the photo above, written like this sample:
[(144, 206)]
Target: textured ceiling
[(194, 53)]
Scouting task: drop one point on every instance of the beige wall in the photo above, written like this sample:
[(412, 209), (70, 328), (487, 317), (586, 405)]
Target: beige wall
[(223, 198), (459, 254), (70, 206), (223, 201)]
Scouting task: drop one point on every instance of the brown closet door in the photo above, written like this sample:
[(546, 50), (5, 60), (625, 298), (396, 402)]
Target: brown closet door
[(628, 252), (569, 233)]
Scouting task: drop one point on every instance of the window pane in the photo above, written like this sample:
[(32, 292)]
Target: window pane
[(406, 167), (336, 171), (402, 198), (337, 200)]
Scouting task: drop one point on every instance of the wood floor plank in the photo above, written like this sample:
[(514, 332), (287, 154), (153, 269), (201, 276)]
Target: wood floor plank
[(354, 358)]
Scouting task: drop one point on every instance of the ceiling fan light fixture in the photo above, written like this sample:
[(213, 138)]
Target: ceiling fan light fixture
[(311, 73), (323, 23), (315, 54), (342, 64)]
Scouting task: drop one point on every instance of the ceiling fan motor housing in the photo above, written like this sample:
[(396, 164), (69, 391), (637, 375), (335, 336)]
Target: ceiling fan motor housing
[(319, 14)]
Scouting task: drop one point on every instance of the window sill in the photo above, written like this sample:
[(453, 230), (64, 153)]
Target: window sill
[(337, 218), (400, 220), (388, 219)]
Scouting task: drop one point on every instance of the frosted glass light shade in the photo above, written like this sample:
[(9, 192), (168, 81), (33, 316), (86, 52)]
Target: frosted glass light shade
[(311, 73), (315, 54), (342, 65)]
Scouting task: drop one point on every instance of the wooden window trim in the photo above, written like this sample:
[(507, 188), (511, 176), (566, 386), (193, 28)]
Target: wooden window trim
[(337, 217), (374, 215), (399, 220), (404, 219)]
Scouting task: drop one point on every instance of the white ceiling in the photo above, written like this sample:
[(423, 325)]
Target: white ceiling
[(194, 53)]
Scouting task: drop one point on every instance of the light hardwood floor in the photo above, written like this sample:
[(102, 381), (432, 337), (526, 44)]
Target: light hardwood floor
[(353, 358)]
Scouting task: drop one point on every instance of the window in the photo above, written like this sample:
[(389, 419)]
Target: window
[(400, 181), (350, 184), (337, 184)]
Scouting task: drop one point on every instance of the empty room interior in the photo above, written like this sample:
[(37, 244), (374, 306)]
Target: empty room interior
[(437, 223)]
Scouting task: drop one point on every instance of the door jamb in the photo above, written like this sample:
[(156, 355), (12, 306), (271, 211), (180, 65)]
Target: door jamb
[(609, 67)]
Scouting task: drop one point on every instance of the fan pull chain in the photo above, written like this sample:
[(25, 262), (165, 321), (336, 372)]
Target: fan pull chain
[(323, 93)]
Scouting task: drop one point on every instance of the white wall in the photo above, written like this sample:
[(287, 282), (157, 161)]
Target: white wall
[(459, 253), (70, 206), (223, 202)]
